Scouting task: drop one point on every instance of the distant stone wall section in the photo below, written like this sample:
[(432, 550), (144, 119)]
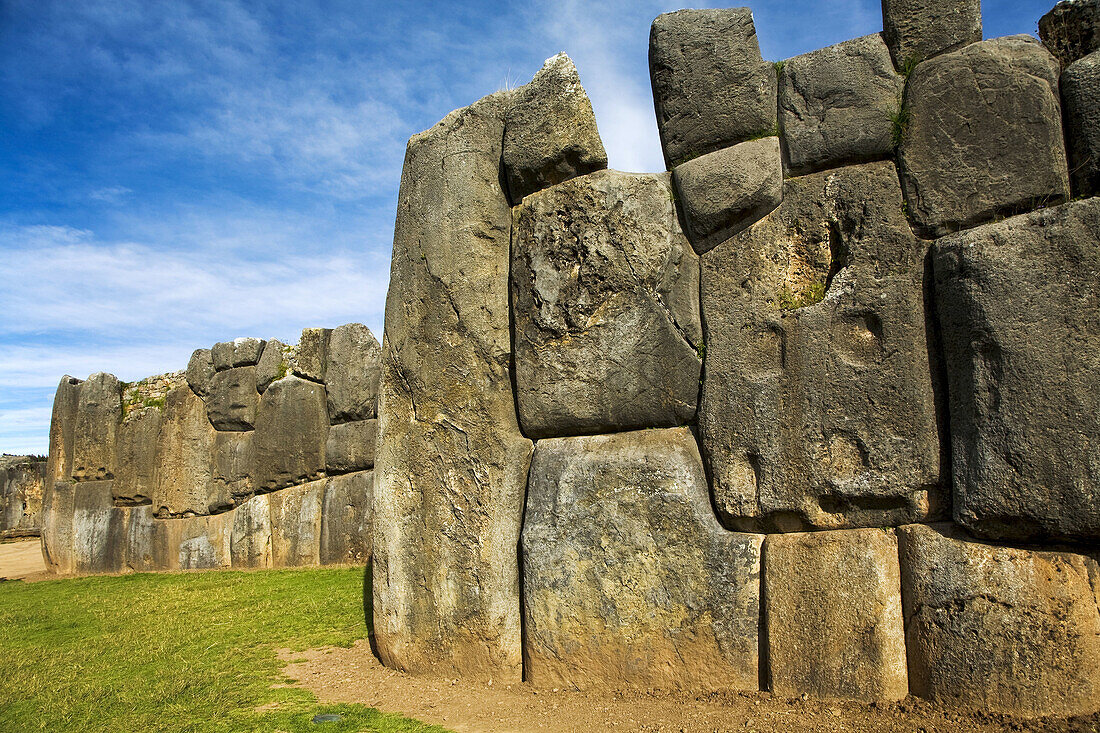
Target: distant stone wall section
[(22, 484), (257, 455)]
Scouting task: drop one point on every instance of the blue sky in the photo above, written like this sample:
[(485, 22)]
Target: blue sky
[(175, 173)]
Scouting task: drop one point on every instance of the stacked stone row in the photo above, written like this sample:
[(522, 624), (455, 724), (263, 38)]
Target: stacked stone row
[(22, 479), (259, 455), (730, 452)]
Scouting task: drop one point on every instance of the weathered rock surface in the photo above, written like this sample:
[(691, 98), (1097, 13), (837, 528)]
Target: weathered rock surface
[(308, 361), (98, 413), (818, 408), (237, 353), (184, 450), (452, 464), (628, 578), (916, 30), (1081, 114), (833, 615), (835, 105), (135, 476), (66, 401), (346, 519), (231, 404), (1020, 315), (141, 534), (984, 136), (711, 88), (22, 483), (350, 446), (200, 370), (274, 364), (723, 192), (250, 536), (353, 368), (550, 132), (98, 529), (1071, 30), (288, 446), (193, 543), (296, 525), (1001, 629), (604, 288), (231, 468)]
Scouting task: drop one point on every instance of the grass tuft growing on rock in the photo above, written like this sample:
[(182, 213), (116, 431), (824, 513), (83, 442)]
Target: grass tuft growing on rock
[(177, 652), (788, 299)]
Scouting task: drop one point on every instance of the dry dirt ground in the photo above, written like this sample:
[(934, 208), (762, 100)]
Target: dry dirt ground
[(21, 559), (354, 675)]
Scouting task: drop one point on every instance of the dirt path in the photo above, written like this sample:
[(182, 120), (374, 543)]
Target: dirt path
[(21, 559), (354, 675)]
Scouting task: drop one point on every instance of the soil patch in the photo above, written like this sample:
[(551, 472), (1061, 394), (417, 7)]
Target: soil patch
[(22, 560)]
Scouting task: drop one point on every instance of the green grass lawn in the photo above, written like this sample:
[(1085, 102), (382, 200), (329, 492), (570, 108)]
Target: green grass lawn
[(176, 652)]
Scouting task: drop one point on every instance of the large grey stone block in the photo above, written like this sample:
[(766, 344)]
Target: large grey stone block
[(135, 477), (250, 539), (296, 525), (346, 519), (1000, 629), (231, 468), (288, 445), (723, 192), (818, 405), (1071, 30), (66, 401), (1020, 315), (57, 527), (98, 413), (98, 529), (184, 452), (274, 364), (550, 132), (200, 370), (351, 446), (1081, 114), (984, 135), (22, 483), (604, 286), (628, 577), (308, 358), (916, 30), (193, 543), (836, 105), (832, 607), (451, 465), (239, 352), (231, 403), (353, 366), (711, 88)]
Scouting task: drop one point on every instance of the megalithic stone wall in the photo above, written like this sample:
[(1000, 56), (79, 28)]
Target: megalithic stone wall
[(795, 408), (258, 455), (22, 481)]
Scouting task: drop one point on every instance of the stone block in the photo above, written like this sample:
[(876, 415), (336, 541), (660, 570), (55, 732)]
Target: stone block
[(237, 353), (136, 461), (288, 445), (916, 30), (66, 402), (57, 527), (723, 192), (1081, 115), (231, 404), (1071, 30), (231, 468), (350, 446), (296, 525), (184, 451), (836, 105), (1004, 630), (627, 576), (346, 519), (22, 483), (832, 607), (604, 286), (984, 135), (353, 366), (195, 543), (274, 364), (200, 370), (711, 88), (819, 406), (1020, 316), (140, 540), (308, 359), (550, 132), (98, 530), (250, 537), (98, 413)]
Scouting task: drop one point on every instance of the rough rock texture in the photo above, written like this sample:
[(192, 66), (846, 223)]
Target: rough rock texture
[(66, 401), (550, 132), (346, 519), (1000, 629), (916, 30), (628, 578), (350, 446), (57, 527), (723, 192), (604, 286), (231, 467), (250, 536), (296, 525), (273, 364), (136, 462), (1071, 30), (231, 403), (98, 413), (832, 606), (141, 534), (984, 136), (821, 414), (22, 483), (183, 475), (452, 463), (193, 543), (308, 361), (711, 88), (835, 105), (200, 370), (354, 366), (1081, 113), (288, 446), (1020, 314), (237, 353), (98, 529)]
